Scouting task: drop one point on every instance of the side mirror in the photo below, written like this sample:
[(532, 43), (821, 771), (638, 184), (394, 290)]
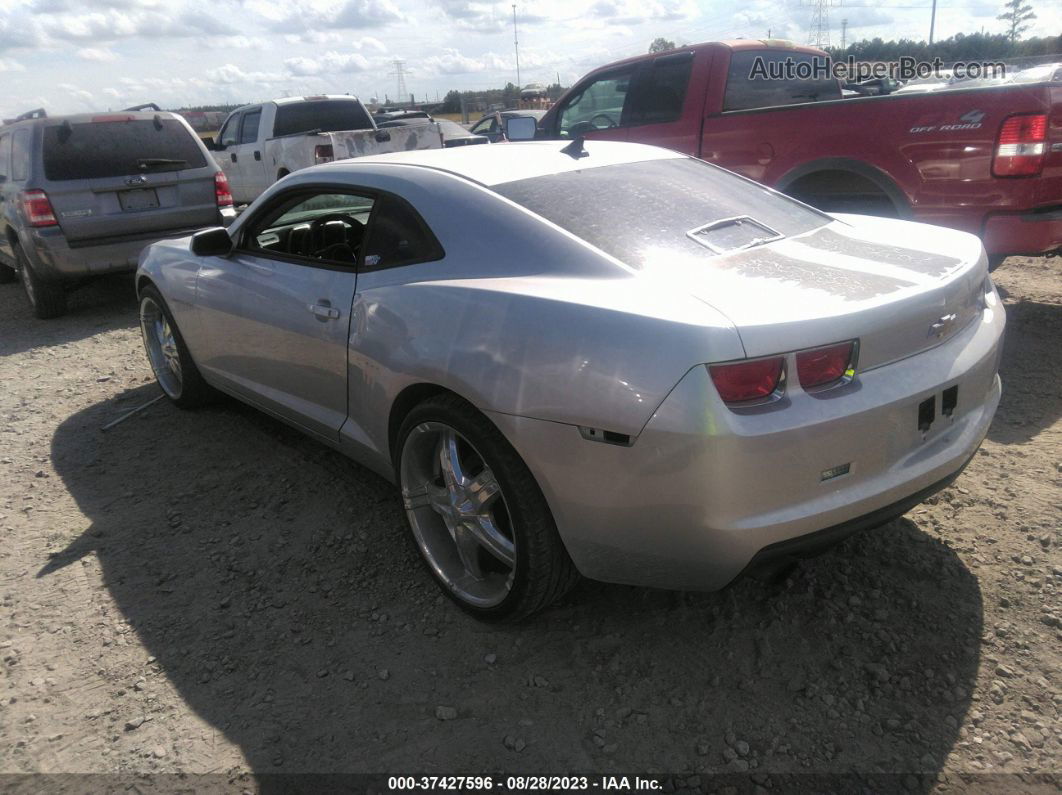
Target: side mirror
[(213, 242), (209, 142), (521, 128)]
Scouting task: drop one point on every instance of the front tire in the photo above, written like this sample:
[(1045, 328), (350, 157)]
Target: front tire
[(478, 518), (170, 360), (48, 298)]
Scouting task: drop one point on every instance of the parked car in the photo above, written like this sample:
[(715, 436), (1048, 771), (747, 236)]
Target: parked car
[(1044, 73), (259, 144), (81, 195), (695, 377), (494, 130), (453, 134), (398, 115), (981, 159)]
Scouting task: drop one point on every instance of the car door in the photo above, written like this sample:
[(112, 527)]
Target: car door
[(248, 151), (273, 317)]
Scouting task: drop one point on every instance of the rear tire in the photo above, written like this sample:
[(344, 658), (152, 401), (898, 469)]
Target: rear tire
[(48, 298), (994, 261), (501, 561), (169, 357), (7, 275)]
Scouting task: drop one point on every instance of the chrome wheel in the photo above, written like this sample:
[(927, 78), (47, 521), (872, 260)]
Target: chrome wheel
[(458, 514), (161, 346)]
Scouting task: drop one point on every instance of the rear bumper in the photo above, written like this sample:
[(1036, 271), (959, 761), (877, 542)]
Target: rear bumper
[(56, 259), (1030, 233), (703, 490)]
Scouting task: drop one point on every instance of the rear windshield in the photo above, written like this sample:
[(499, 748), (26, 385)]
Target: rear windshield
[(94, 150), (325, 116), (638, 212)]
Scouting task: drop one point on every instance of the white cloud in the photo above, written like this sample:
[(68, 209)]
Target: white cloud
[(8, 65), (96, 54), (329, 63), (354, 14)]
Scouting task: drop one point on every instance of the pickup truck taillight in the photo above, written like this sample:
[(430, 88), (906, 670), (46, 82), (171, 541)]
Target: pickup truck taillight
[(37, 209), (322, 153), (221, 189), (1021, 145)]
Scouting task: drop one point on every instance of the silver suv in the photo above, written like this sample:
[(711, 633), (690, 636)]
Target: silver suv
[(83, 195)]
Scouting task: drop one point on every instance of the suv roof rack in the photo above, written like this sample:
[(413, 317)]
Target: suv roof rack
[(39, 113), (145, 106)]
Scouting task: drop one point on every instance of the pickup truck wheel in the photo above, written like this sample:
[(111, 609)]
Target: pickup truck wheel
[(843, 192), (995, 260), (282, 173), (48, 298), (169, 357), (478, 518), (7, 275)]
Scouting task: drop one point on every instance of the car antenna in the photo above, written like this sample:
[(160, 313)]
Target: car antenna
[(576, 149)]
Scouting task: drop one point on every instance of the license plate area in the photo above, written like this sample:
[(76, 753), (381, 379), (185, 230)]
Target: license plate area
[(133, 201), (937, 411)]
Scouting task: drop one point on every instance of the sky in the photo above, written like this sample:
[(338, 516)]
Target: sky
[(70, 55)]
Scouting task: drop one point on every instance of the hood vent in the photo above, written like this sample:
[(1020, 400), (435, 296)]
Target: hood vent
[(733, 234)]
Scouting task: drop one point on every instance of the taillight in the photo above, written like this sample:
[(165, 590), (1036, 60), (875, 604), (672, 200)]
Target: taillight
[(752, 380), (221, 189), (37, 209), (1021, 145), (322, 153), (823, 366)]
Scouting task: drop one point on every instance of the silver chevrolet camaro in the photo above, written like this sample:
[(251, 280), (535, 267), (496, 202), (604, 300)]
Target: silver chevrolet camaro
[(600, 358)]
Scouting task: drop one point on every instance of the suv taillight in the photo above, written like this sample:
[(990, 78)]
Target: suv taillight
[(322, 153), (221, 189), (37, 209), (1021, 145)]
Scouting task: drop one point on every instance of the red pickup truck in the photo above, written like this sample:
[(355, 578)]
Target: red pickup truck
[(985, 160)]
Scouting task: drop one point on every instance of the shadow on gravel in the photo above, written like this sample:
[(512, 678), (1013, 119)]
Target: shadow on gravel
[(272, 582), (1032, 360), (103, 304)]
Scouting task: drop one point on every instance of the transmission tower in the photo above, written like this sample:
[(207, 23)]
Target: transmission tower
[(399, 73), (819, 30)]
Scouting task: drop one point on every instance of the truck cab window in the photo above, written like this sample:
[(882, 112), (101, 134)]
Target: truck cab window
[(659, 89), (229, 134), (745, 91), (20, 154), (599, 105), (249, 128)]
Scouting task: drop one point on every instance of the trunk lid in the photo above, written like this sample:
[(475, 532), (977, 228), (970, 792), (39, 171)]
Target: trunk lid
[(900, 288), (127, 177)]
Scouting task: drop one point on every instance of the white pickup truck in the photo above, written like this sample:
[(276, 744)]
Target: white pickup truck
[(259, 144)]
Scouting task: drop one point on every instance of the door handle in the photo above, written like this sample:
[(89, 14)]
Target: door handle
[(257, 155), (233, 156), (324, 311)]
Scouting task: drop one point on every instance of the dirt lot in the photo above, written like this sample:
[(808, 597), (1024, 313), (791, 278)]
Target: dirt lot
[(210, 592)]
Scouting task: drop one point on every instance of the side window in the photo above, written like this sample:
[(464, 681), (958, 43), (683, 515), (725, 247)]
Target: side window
[(597, 106), (325, 226), (249, 127), (229, 133), (20, 146), (484, 126), (399, 236), (660, 90), (5, 156), (748, 87)]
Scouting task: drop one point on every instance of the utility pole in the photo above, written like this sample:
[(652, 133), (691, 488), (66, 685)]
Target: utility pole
[(819, 31), (844, 33), (933, 21), (516, 45)]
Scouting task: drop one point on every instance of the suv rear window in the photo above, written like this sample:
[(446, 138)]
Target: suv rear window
[(647, 211), (329, 115), (95, 150), (745, 91)]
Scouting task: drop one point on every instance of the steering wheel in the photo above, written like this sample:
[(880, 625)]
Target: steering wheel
[(317, 232), (609, 122)]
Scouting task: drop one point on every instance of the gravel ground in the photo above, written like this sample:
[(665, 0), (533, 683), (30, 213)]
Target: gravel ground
[(210, 592)]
